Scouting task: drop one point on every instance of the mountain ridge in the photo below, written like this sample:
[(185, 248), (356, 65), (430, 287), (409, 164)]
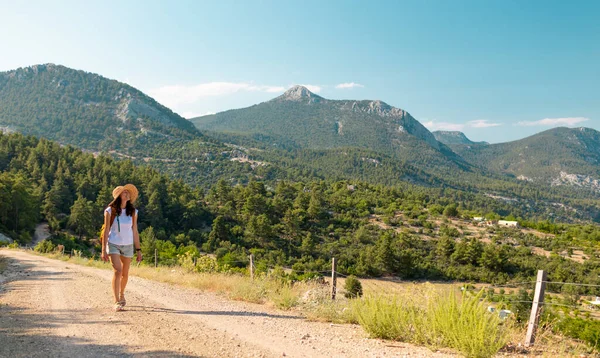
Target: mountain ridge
[(557, 156), (453, 137), (301, 118), (62, 104)]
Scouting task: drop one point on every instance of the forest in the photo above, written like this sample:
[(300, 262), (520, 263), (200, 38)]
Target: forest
[(299, 224)]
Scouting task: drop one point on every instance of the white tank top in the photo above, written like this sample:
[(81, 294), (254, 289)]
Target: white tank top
[(121, 231)]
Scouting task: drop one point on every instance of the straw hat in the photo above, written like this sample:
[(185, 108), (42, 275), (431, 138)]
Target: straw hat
[(133, 192)]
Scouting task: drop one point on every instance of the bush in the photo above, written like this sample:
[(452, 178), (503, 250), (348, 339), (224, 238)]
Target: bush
[(186, 261), (206, 264), (44, 246), (387, 317), (353, 287), (588, 330), (451, 210), (465, 325), (434, 319), (285, 297)]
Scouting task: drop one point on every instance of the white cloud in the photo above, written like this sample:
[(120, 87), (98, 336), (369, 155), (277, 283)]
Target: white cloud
[(188, 115), (434, 125), (482, 123), (566, 121), (172, 96), (348, 85), (443, 126), (312, 88)]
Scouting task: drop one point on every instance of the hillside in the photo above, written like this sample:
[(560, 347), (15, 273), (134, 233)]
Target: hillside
[(559, 156), (453, 137), (98, 114), (302, 119), (372, 141), (84, 109)]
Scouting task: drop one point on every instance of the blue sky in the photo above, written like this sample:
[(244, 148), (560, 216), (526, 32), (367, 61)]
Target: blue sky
[(497, 70)]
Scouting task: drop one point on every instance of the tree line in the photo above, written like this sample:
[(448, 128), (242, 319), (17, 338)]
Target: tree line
[(287, 223)]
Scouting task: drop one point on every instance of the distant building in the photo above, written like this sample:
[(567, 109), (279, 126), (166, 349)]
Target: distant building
[(478, 218), (595, 302), (508, 223), (503, 314)]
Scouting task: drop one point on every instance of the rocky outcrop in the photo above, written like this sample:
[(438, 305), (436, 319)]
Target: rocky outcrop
[(583, 181), (5, 239)]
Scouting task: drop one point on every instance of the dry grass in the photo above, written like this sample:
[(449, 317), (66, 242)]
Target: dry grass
[(313, 300), (548, 344)]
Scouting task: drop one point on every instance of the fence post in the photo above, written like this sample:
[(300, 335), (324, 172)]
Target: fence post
[(252, 266), (538, 301), (333, 278), (63, 251), (155, 258)]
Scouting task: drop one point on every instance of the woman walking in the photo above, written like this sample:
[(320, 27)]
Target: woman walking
[(121, 238)]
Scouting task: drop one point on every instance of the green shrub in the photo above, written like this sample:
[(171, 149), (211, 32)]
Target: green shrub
[(435, 319), (465, 325), (186, 261), (44, 246), (387, 317), (206, 264), (588, 330), (251, 291), (285, 297), (353, 287)]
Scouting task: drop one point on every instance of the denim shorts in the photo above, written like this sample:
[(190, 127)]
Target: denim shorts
[(123, 250)]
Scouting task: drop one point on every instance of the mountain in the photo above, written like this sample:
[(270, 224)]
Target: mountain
[(296, 136), (559, 156), (453, 137), (98, 114), (84, 109), (301, 119)]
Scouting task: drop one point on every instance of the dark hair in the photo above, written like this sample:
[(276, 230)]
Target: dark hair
[(116, 205)]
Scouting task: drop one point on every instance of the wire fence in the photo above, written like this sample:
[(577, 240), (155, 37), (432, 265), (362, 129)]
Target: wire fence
[(392, 286)]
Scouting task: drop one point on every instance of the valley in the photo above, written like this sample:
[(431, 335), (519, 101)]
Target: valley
[(296, 181)]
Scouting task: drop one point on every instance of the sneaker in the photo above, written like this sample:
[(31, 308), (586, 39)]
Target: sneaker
[(118, 307), (122, 300)]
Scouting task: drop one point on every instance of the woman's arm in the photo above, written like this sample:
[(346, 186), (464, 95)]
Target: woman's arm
[(136, 238), (104, 238)]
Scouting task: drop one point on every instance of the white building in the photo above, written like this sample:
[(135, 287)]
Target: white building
[(508, 223)]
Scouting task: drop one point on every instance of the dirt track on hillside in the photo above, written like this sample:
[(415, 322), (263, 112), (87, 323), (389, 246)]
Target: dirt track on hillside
[(49, 308)]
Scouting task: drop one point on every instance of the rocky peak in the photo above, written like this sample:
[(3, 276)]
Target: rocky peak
[(300, 94)]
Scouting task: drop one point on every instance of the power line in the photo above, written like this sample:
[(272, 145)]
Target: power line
[(573, 284)]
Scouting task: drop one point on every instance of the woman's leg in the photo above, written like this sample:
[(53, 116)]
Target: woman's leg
[(115, 259), (125, 263)]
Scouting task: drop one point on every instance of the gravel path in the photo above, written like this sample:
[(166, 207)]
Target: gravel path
[(42, 232), (49, 308)]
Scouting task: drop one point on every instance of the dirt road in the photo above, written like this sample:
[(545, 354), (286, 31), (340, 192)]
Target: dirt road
[(49, 308)]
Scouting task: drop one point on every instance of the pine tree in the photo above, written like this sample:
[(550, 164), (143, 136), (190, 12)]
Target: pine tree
[(218, 233), (82, 217)]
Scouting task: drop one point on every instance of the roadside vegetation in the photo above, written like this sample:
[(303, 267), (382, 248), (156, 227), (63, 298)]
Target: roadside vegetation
[(449, 317)]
